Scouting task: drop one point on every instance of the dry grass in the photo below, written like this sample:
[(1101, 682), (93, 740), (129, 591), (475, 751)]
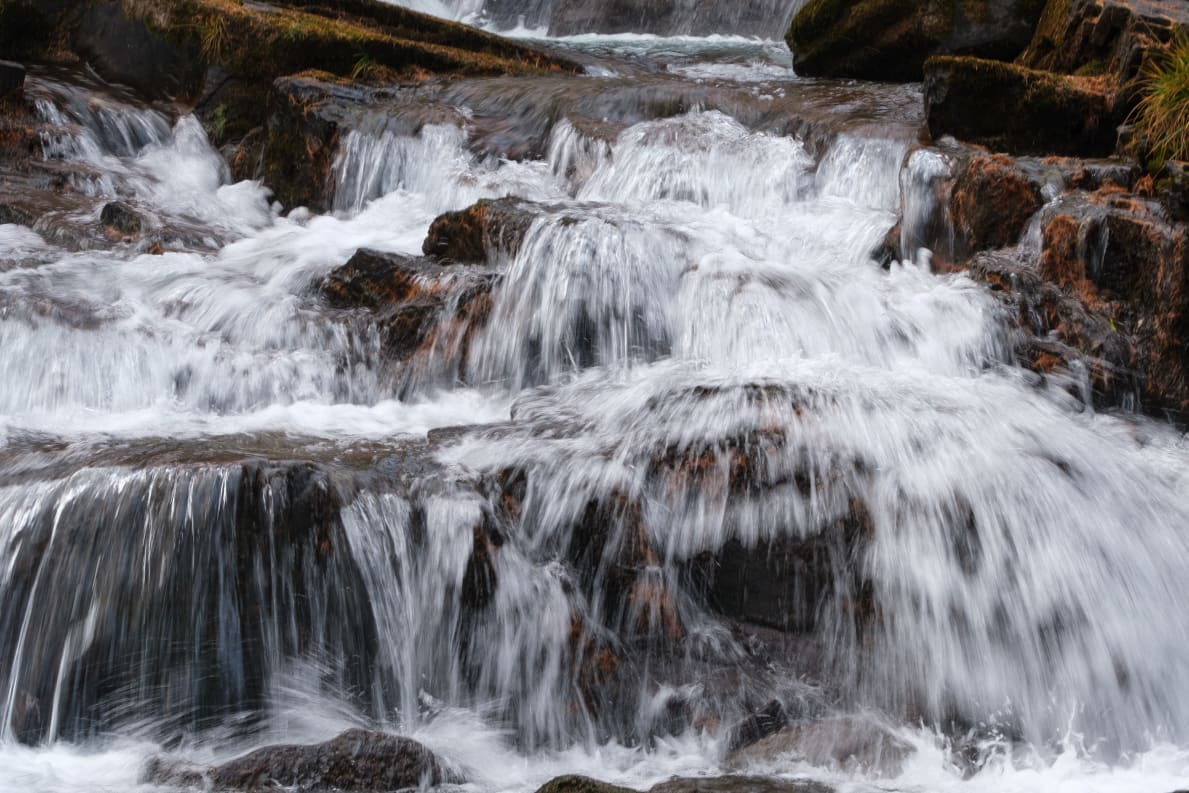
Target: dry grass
[(1162, 115)]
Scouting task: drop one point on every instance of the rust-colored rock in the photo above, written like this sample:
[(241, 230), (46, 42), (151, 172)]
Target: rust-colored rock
[(473, 234), (992, 201)]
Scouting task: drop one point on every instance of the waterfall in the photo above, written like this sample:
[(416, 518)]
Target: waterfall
[(691, 455)]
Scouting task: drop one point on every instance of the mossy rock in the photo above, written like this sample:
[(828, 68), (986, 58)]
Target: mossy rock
[(1018, 110), (890, 39)]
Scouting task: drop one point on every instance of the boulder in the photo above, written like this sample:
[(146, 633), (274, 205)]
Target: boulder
[(120, 220), (1014, 109), (721, 784), (474, 233), (356, 760), (740, 784), (890, 39), (852, 744), (416, 302), (1110, 38), (683, 17), (12, 78)]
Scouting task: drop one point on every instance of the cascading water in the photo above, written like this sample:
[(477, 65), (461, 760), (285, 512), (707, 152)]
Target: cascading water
[(228, 517)]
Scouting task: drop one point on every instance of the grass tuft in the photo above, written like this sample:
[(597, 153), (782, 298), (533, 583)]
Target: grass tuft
[(1162, 115)]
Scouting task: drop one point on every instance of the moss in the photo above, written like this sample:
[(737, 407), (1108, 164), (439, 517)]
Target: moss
[(264, 42), (1050, 31)]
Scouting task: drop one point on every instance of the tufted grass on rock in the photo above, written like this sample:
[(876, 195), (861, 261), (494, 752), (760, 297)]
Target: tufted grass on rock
[(1162, 115)]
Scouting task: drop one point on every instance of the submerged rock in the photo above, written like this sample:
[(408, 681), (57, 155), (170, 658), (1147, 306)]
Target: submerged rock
[(356, 760), (1014, 109), (890, 39)]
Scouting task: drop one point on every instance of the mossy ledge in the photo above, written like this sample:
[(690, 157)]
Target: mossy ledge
[(890, 39), (1012, 108)]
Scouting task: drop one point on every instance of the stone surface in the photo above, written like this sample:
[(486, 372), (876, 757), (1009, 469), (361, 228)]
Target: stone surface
[(1103, 37), (120, 219), (1009, 108), (474, 233), (853, 744), (356, 760), (890, 39), (12, 78), (416, 302)]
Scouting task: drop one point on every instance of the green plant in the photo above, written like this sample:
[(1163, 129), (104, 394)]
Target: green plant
[(1162, 115), (362, 66), (213, 33), (219, 122)]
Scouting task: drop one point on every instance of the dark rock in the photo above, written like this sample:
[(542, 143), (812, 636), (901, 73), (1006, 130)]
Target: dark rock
[(683, 17), (414, 301), (272, 540), (1108, 38), (355, 760), (474, 233), (848, 743), (784, 583), (120, 220), (1017, 110), (757, 726), (740, 784), (580, 784), (890, 39), (991, 203), (12, 78), (162, 771), (126, 50)]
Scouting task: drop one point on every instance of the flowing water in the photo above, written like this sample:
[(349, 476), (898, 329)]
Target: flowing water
[(229, 518)]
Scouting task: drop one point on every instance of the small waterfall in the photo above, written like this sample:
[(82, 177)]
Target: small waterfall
[(693, 458)]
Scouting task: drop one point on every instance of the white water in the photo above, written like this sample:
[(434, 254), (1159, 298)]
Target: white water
[(692, 282)]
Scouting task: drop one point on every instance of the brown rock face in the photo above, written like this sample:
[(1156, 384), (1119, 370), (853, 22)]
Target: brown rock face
[(890, 39), (357, 760), (992, 201), (420, 306), (1102, 37), (1013, 109), (471, 234)]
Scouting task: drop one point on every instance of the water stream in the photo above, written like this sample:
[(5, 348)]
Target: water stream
[(221, 523)]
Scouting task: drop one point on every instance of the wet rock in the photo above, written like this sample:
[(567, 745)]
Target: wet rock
[(740, 784), (1034, 112), (127, 50), (1070, 336), (769, 720), (272, 540), (357, 760), (580, 784), (474, 233), (785, 582), (683, 17), (722, 784), (852, 744), (417, 303), (991, 203), (1109, 38), (120, 220), (890, 39), (163, 771), (12, 78)]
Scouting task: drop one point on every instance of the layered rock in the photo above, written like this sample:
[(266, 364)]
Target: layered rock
[(1012, 108), (890, 39)]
